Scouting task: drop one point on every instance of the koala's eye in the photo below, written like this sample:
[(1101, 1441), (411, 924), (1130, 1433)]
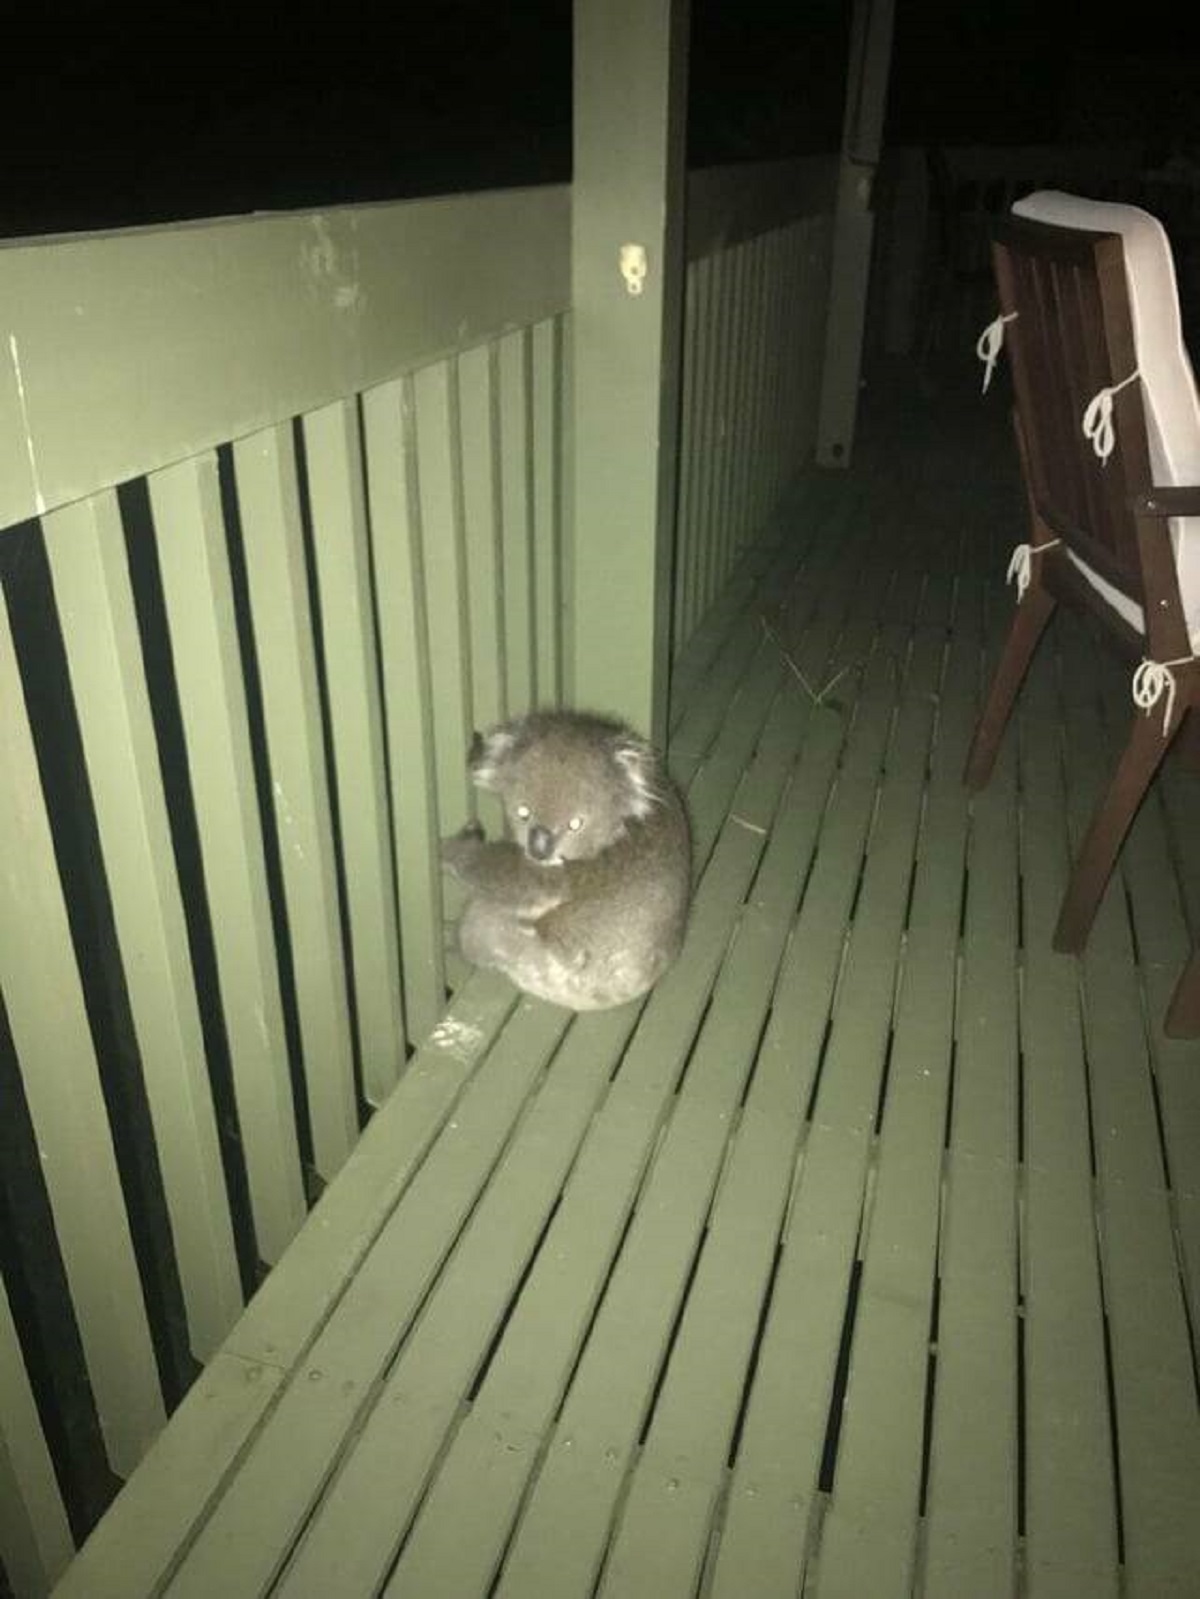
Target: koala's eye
[(523, 813), (575, 823)]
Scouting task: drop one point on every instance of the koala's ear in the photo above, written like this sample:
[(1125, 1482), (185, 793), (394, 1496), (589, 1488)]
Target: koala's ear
[(488, 753), (638, 762)]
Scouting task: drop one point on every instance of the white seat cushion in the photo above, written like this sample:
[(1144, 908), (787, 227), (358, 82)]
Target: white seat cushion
[(1168, 383)]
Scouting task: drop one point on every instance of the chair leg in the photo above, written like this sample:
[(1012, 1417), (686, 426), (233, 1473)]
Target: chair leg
[(1189, 740), (1183, 1013), (1033, 613), (1142, 757)]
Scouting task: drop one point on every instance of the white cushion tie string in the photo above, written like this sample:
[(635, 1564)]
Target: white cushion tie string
[(1020, 565), (1097, 419), (1150, 680), (989, 344)]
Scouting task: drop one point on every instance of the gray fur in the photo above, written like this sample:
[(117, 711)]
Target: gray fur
[(587, 916)]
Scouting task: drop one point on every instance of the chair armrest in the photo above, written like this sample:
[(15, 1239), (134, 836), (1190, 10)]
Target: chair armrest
[(1182, 501)]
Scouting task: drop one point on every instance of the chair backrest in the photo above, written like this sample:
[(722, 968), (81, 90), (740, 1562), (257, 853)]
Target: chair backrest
[(1092, 284)]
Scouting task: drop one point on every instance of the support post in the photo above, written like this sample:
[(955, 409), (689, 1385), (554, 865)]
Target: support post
[(627, 281), (854, 227)]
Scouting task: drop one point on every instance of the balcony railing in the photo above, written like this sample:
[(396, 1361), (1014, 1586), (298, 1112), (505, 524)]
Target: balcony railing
[(285, 512)]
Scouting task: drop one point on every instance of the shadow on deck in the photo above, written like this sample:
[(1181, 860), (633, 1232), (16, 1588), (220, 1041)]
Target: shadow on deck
[(866, 1255)]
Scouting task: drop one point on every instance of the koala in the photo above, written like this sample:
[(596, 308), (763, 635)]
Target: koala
[(585, 903)]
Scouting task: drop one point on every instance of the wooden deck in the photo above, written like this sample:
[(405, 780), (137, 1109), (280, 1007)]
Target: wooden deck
[(864, 1260)]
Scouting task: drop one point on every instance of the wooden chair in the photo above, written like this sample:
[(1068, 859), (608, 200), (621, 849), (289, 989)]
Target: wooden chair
[(958, 272), (1108, 429)]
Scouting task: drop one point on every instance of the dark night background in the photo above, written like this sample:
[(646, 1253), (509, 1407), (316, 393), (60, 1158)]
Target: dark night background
[(115, 115)]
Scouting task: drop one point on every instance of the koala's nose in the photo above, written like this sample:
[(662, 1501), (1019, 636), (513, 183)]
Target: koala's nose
[(539, 841)]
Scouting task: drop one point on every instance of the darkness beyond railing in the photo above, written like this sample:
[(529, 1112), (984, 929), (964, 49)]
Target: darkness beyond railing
[(933, 289)]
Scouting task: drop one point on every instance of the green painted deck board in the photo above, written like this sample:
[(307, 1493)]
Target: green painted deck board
[(665, 1518), (1159, 1440), (588, 1278), (490, 1459), (785, 1424), (137, 1540), (248, 1535), (668, 1012), (536, 1356), (870, 1534), (353, 1536), (700, 728), (1155, 869), (612, 1385), (1070, 1504), (972, 1508), (642, 1089)]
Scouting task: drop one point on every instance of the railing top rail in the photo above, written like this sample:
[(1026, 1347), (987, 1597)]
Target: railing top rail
[(729, 203), (123, 352)]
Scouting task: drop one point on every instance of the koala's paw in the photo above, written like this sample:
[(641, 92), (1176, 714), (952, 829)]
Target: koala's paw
[(570, 957), (459, 851)]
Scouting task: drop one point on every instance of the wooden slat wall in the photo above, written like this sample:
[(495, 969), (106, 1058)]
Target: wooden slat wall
[(138, 1540), (337, 496), (342, 600), (270, 649), (517, 1129), (49, 1025), (284, 641), (753, 332), (34, 1533), (197, 590), (85, 547)]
